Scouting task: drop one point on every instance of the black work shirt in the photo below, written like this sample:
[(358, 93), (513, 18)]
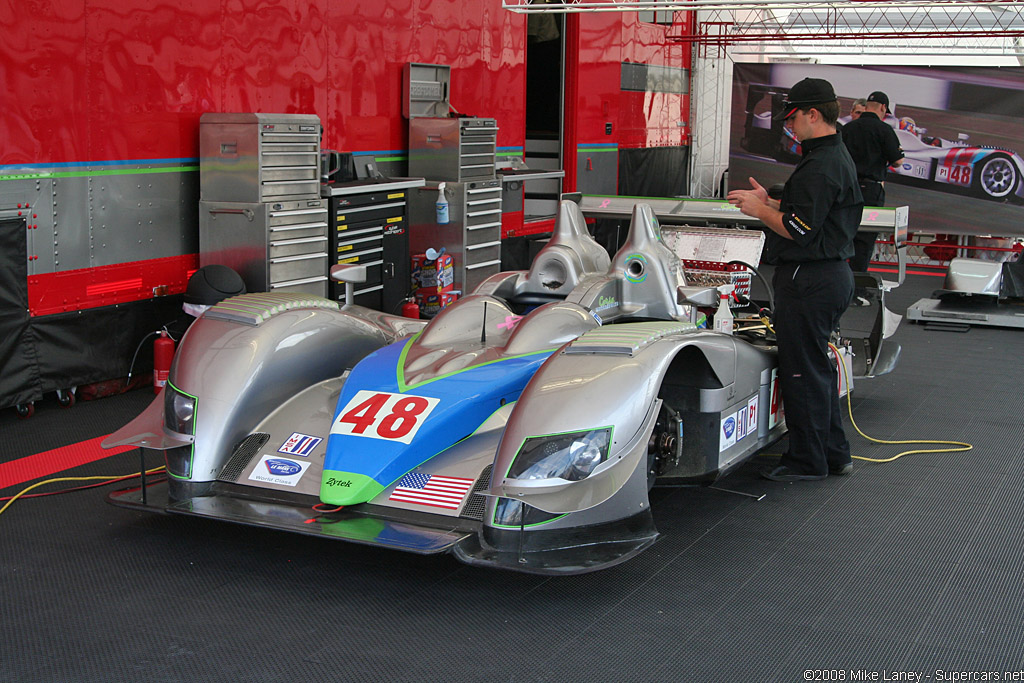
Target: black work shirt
[(873, 145), (821, 206)]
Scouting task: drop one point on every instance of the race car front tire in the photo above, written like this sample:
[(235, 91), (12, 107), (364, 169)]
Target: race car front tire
[(997, 177)]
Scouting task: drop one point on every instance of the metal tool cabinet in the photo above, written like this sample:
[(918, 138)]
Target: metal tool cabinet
[(260, 210)]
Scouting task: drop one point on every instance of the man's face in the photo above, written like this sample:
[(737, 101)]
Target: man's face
[(800, 124), (857, 110)]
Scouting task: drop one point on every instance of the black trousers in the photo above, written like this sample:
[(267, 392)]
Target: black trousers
[(809, 300), (864, 242)]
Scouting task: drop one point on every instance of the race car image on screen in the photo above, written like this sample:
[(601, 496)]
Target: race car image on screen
[(522, 427), (985, 172)]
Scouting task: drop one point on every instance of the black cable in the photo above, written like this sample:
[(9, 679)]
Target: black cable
[(138, 348), (767, 287)]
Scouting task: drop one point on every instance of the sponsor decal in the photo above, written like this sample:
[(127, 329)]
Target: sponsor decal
[(510, 322), (752, 415), (957, 167), (741, 423), (798, 225), (432, 490), (299, 444), (956, 175), (383, 415), (727, 433), (282, 467), (274, 470), (775, 413)]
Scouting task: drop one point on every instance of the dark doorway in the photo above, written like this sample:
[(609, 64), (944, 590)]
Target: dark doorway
[(545, 89)]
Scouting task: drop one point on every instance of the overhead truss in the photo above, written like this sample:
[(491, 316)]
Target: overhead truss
[(947, 27)]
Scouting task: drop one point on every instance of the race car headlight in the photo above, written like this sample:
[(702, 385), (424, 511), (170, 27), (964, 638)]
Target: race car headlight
[(572, 456), (179, 411)]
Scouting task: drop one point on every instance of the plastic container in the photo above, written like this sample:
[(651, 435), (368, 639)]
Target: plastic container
[(442, 205), (723, 316)]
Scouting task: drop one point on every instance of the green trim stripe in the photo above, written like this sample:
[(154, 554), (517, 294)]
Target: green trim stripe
[(524, 526), (195, 421), (631, 196), (86, 174)]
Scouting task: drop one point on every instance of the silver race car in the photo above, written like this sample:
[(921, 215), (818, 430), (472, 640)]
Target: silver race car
[(521, 428)]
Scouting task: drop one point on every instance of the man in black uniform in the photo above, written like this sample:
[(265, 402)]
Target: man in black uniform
[(874, 147), (811, 236)]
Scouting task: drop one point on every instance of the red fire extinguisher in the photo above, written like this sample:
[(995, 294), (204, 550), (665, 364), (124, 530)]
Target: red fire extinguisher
[(163, 354), (410, 309)]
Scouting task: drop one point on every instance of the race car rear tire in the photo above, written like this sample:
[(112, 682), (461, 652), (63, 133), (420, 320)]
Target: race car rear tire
[(996, 177)]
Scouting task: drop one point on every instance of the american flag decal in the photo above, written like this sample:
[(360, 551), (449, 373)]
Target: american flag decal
[(432, 490)]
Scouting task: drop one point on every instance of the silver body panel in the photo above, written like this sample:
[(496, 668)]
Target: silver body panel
[(95, 215), (973, 276), (241, 372)]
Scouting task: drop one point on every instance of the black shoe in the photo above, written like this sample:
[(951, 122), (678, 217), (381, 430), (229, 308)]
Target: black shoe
[(841, 470), (783, 473)]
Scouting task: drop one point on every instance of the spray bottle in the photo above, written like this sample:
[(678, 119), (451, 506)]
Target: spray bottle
[(442, 205), (723, 316)]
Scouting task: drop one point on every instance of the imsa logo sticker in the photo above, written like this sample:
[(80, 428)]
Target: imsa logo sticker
[(299, 444)]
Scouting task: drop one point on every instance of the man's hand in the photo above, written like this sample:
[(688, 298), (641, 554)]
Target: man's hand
[(756, 203), (750, 201)]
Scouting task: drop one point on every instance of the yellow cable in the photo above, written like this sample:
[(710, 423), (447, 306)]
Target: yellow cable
[(960, 445), (52, 481)]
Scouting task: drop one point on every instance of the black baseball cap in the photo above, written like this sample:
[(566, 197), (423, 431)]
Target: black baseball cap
[(880, 97), (806, 93)]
